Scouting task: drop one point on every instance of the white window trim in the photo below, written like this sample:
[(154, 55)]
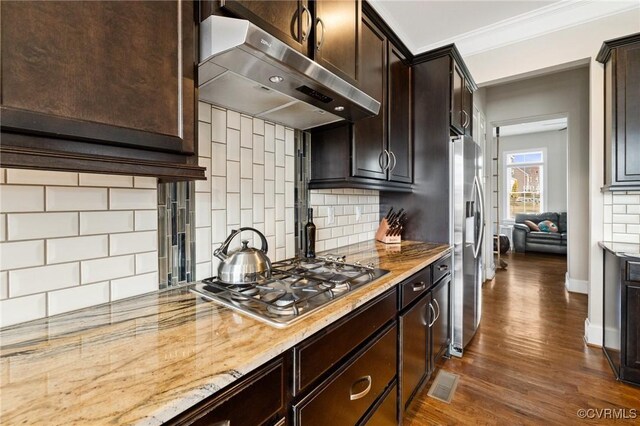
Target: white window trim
[(505, 180)]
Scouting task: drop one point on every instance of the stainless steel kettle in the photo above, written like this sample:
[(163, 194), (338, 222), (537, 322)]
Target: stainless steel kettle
[(246, 265)]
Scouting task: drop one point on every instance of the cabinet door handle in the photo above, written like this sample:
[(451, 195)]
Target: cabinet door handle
[(388, 159), (354, 396), (443, 267), (223, 423), (320, 39), (395, 160), (384, 166), (305, 34), (434, 315), (280, 422), (466, 119), (437, 306), (419, 286)]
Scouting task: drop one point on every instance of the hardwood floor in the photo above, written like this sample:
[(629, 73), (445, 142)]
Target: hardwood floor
[(528, 363)]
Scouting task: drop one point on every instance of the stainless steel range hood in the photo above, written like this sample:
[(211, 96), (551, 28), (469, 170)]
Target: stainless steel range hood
[(246, 69)]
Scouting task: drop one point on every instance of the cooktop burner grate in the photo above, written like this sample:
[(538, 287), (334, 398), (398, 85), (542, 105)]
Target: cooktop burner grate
[(296, 287)]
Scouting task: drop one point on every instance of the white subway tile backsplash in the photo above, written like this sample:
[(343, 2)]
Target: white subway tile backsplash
[(246, 163), (22, 309), (270, 222), (258, 149), (218, 159), (233, 209), (3, 227), (146, 220), (246, 218), (74, 298), (280, 153), (218, 192), (204, 112), (280, 207), (269, 137), (233, 119), (91, 179), (148, 262), (23, 282), (233, 176), (27, 226), (61, 250), (145, 182), (41, 177), (134, 286), (246, 131), (203, 209), (21, 254), (203, 270), (106, 222), (133, 199), (626, 218), (105, 269), (233, 145), (204, 139), (4, 285), (289, 141), (280, 234), (218, 125), (218, 226), (290, 220), (133, 242), (19, 198), (258, 179), (269, 193), (203, 245), (269, 166), (279, 180), (258, 208), (626, 199), (279, 131), (246, 193)]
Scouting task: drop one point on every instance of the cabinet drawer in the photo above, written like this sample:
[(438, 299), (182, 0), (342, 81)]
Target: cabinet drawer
[(263, 390), (345, 397), (415, 286), (633, 271), (386, 413), (323, 350), (441, 267)]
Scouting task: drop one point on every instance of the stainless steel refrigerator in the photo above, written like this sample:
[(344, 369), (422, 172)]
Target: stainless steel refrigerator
[(467, 217)]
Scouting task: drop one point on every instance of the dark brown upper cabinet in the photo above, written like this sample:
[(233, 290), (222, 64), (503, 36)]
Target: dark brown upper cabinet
[(461, 101), (290, 21), (399, 111), (328, 31), (621, 59), (376, 152), (99, 87), (336, 37), (371, 159)]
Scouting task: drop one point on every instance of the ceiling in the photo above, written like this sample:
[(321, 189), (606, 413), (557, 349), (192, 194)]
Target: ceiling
[(480, 25), (554, 124)]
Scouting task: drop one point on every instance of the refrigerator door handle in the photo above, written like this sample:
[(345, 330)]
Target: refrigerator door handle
[(478, 189)]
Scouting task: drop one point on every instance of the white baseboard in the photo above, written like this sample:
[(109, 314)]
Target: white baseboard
[(592, 333), (576, 286)]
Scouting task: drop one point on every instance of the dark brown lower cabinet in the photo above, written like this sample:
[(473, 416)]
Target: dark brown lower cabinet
[(385, 413), (349, 393), (440, 336), (258, 399), (414, 339), (621, 314)]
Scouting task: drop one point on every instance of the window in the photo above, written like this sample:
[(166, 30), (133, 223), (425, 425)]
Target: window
[(524, 180)]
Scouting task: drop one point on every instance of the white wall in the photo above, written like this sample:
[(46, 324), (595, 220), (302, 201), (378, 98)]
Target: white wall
[(578, 44), (73, 240), (555, 173)]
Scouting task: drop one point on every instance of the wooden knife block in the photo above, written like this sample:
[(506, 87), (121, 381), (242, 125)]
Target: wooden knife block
[(387, 239)]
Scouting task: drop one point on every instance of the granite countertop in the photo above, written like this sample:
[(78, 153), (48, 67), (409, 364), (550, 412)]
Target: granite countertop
[(612, 248), (144, 360)]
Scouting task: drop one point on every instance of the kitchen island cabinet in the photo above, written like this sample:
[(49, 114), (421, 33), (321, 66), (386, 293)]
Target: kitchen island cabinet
[(166, 352), (104, 87)]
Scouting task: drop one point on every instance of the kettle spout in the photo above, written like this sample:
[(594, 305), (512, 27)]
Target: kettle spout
[(220, 254)]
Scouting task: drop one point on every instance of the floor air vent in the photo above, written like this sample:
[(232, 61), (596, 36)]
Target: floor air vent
[(444, 386)]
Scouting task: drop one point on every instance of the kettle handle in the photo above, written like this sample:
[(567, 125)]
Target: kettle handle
[(222, 251)]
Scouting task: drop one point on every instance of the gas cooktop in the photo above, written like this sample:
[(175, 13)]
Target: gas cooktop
[(296, 288)]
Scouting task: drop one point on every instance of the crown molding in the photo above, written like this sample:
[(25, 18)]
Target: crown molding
[(538, 22)]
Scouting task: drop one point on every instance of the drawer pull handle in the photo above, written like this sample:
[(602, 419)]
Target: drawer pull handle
[(354, 396), (419, 286), (443, 267)]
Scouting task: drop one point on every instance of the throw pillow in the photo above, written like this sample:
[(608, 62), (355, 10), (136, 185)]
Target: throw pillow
[(548, 226), (531, 225)]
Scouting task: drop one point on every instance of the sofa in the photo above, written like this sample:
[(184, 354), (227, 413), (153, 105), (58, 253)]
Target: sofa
[(526, 240)]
